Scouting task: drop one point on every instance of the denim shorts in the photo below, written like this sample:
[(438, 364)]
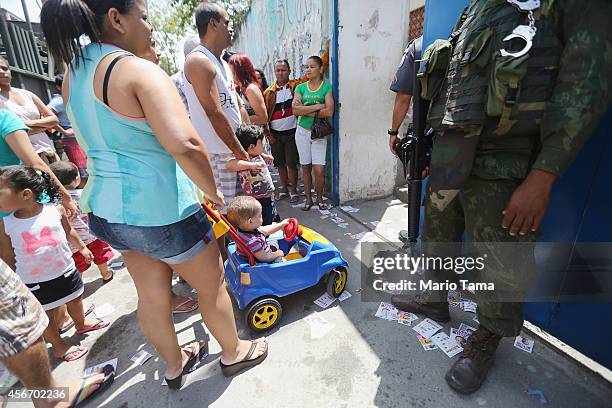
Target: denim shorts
[(172, 244)]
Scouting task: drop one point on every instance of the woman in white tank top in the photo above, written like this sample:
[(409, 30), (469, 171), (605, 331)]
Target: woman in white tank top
[(32, 111)]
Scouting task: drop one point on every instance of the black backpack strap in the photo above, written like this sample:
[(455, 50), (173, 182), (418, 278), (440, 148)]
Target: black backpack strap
[(108, 74)]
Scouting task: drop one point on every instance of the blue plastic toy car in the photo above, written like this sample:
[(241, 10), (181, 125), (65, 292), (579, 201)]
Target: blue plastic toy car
[(258, 288)]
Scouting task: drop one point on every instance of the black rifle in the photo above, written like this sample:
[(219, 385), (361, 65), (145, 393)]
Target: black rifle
[(415, 151)]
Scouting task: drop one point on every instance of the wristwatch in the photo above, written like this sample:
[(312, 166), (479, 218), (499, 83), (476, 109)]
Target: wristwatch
[(392, 132)]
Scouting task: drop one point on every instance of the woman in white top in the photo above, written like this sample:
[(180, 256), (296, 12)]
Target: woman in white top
[(32, 111)]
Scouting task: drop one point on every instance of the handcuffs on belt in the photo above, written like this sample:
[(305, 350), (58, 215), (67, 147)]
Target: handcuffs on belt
[(524, 32)]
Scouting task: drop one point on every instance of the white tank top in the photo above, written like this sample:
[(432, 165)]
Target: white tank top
[(40, 245), (227, 97), (29, 111)]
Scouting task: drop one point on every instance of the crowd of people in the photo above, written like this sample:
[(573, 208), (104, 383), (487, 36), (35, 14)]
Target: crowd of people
[(135, 136), (223, 127)]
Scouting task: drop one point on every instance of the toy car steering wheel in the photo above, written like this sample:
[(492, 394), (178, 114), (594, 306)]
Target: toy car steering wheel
[(292, 229)]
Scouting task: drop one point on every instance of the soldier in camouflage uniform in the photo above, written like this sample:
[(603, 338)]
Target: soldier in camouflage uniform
[(507, 126)]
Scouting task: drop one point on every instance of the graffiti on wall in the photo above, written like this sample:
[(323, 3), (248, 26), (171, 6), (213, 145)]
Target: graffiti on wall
[(284, 29)]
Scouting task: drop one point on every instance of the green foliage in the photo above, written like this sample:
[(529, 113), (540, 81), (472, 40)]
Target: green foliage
[(184, 9), (173, 20)]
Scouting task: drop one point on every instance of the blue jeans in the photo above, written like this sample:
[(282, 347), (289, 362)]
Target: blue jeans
[(173, 244), (268, 210)]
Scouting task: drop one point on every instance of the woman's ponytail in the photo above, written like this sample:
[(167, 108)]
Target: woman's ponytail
[(63, 23)]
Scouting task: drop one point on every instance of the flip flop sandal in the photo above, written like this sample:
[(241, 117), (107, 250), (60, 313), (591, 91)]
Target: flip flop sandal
[(282, 195), (74, 354), (294, 198), (70, 325), (87, 391), (233, 369), (193, 307), (307, 207), (322, 206), (98, 326), (67, 326), (177, 383), (105, 281), (90, 309)]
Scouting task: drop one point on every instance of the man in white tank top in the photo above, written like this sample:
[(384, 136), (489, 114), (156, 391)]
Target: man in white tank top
[(214, 106)]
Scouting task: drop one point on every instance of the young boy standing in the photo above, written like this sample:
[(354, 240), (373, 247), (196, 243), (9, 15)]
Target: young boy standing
[(254, 174), (68, 174)]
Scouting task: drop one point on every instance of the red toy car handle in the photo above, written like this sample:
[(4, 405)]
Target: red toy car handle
[(292, 229)]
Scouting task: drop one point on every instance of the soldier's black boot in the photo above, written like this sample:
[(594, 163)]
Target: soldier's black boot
[(437, 311), (471, 369)]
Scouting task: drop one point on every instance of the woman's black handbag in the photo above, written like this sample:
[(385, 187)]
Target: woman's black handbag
[(320, 128)]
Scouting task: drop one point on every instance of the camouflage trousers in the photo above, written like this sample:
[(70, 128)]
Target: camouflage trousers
[(470, 225)]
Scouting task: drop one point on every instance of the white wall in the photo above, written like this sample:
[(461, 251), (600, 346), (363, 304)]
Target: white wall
[(372, 38)]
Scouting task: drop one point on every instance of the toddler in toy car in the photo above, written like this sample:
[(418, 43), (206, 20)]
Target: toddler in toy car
[(245, 213)]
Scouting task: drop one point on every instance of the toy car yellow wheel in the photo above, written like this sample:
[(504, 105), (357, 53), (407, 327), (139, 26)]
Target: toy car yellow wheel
[(264, 315), (336, 282)]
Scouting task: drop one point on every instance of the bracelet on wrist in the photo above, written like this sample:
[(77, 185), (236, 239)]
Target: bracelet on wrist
[(392, 132)]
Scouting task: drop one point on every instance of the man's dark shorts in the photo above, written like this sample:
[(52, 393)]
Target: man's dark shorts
[(284, 149)]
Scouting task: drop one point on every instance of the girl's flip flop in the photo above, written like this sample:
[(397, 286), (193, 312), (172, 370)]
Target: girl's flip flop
[(70, 323), (101, 324), (73, 354)]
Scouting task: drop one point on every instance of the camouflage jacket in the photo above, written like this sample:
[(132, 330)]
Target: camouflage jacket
[(574, 53)]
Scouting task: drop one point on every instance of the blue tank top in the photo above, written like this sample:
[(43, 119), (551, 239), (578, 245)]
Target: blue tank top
[(132, 179)]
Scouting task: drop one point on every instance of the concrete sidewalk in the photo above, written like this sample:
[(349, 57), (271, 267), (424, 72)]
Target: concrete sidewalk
[(363, 362)]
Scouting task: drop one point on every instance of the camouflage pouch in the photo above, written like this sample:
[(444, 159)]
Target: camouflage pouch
[(504, 81), (433, 68)]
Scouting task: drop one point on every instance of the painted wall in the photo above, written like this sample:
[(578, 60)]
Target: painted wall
[(284, 29), (372, 38)]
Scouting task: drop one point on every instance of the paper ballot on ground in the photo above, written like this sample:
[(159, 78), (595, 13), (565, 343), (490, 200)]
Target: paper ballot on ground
[(469, 306), (344, 295), (105, 310), (141, 357), (454, 298), (523, 343), (319, 326), (406, 318), (427, 328), (325, 300), (387, 311), (375, 223), (446, 344), (465, 330), (426, 343), (325, 212), (360, 236), (94, 370), (349, 209), (455, 335)]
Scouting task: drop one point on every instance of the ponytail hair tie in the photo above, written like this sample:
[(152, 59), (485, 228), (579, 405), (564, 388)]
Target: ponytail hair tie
[(44, 198)]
